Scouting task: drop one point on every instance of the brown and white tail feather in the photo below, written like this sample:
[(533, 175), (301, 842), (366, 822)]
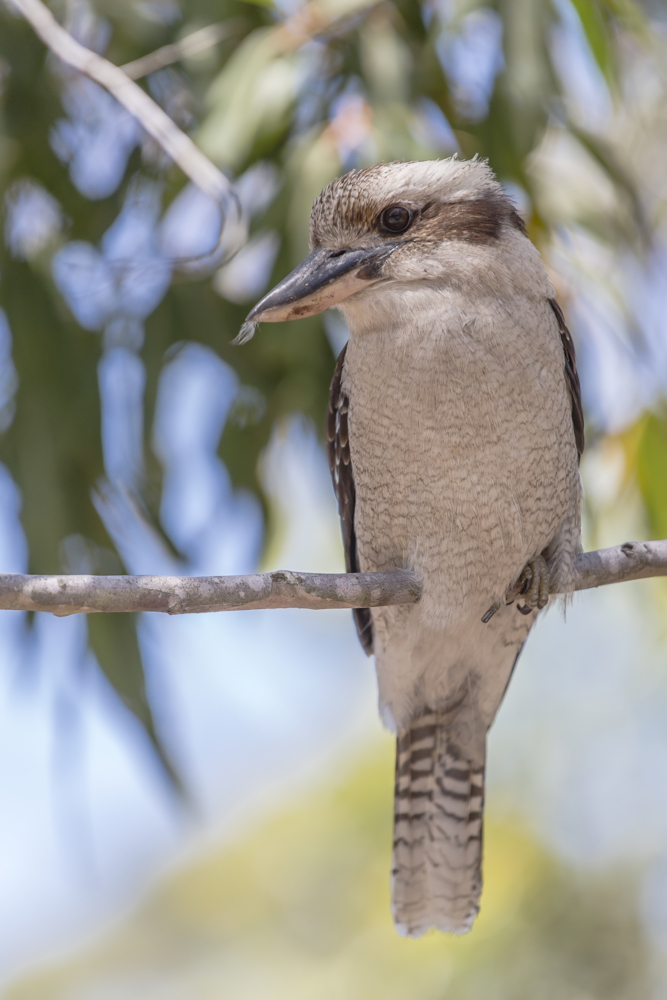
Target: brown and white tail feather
[(439, 798)]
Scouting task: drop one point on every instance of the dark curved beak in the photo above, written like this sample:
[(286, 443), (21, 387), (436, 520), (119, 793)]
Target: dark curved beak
[(324, 278)]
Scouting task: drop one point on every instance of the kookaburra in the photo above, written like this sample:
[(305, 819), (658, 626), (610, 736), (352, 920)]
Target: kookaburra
[(454, 432)]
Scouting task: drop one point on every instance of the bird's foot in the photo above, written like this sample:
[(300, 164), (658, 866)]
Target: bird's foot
[(533, 585)]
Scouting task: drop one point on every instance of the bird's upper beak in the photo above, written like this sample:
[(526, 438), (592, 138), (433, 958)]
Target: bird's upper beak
[(325, 278)]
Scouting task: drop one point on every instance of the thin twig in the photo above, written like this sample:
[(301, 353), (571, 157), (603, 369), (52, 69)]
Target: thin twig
[(190, 45), (68, 595), (154, 120)]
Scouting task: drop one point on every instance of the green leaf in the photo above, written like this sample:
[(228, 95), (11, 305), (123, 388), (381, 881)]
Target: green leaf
[(113, 640), (652, 471), (595, 21), (603, 154)]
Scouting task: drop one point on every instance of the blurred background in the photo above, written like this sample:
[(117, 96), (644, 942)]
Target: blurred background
[(201, 807)]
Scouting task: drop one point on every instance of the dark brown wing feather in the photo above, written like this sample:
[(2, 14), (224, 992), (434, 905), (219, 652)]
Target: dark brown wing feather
[(338, 446), (571, 376)]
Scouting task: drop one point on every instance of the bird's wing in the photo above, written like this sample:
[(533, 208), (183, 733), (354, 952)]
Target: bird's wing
[(338, 446), (571, 376)]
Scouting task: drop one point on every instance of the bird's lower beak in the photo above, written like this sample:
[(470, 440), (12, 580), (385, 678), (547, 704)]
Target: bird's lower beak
[(324, 278)]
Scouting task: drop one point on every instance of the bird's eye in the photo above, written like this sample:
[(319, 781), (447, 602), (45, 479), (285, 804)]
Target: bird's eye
[(396, 219)]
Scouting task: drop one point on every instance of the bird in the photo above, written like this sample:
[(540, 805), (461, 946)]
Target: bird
[(454, 431)]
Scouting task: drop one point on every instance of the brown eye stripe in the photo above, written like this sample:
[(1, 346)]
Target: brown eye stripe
[(479, 220)]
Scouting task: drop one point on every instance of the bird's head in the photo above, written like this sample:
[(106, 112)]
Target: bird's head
[(401, 227)]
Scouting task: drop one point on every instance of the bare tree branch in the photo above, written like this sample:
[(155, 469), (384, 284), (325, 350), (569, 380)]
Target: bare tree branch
[(156, 122), (68, 595), (630, 561), (191, 45)]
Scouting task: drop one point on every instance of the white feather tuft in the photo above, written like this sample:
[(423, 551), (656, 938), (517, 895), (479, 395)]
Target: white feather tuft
[(246, 333)]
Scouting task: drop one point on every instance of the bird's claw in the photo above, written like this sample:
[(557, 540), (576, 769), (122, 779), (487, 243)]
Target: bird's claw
[(533, 585), (488, 615)]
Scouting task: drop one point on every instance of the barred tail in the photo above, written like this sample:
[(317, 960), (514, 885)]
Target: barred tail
[(437, 863)]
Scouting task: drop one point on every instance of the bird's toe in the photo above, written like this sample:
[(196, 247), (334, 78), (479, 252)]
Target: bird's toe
[(533, 585)]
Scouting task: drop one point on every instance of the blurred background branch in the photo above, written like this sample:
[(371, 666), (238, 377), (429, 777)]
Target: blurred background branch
[(116, 80), (191, 45)]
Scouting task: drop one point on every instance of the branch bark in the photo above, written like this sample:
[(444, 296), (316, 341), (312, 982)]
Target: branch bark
[(154, 120), (175, 595), (68, 595), (630, 561)]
